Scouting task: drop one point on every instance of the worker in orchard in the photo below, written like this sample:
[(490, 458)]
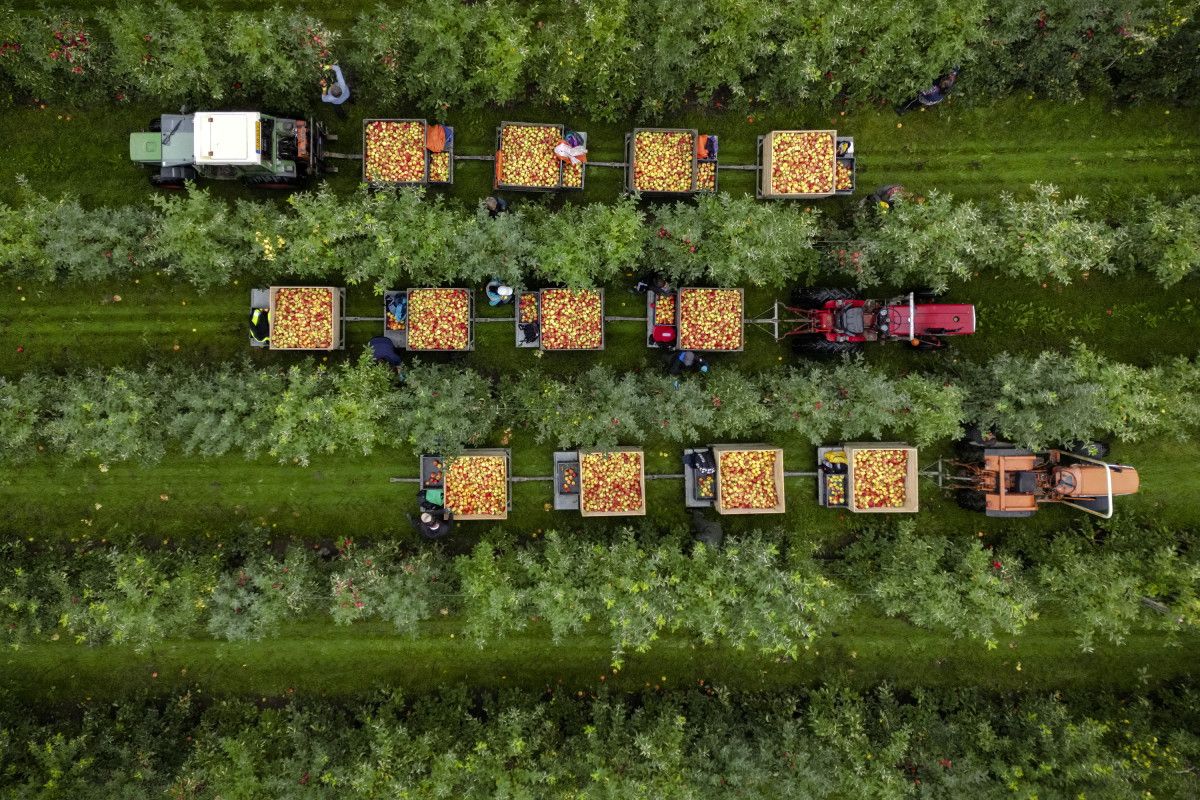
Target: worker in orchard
[(384, 351), (495, 206), (260, 326), (334, 89), (931, 96), (498, 293), (688, 361)]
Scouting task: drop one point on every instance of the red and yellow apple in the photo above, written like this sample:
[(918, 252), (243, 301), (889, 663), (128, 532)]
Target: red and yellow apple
[(662, 161), (477, 486), (747, 479), (710, 319), (527, 155), (611, 482), (879, 478), (802, 162), (572, 319), (303, 318), (439, 319), (395, 152)]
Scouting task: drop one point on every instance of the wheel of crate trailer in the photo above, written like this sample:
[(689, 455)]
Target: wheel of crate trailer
[(971, 500), (816, 298)]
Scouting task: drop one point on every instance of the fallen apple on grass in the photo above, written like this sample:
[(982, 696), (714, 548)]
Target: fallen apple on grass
[(611, 482), (710, 319), (303, 318), (662, 161), (395, 152), (527, 156), (572, 319), (477, 486), (439, 319), (802, 162), (748, 479), (879, 478)]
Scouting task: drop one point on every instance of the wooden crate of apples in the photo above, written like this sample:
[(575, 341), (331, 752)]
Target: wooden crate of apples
[(612, 483), (663, 161), (476, 485), (304, 318), (394, 152), (526, 158), (711, 319), (799, 164), (439, 319), (882, 477), (572, 319), (749, 479)]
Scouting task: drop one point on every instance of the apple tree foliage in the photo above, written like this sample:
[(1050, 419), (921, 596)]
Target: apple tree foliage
[(943, 583), (1046, 238), (1164, 237), (252, 600), (383, 583)]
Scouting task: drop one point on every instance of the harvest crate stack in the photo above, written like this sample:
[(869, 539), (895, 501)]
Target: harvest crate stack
[(526, 161), (407, 152), (430, 319), (805, 165), (600, 483), (868, 477), (737, 478), (475, 484), (667, 162)]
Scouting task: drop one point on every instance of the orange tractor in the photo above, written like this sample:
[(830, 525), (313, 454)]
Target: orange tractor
[(1010, 482)]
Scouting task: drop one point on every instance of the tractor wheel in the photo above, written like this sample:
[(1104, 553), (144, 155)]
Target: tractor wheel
[(821, 346), (167, 182), (968, 453), (816, 298), (155, 125), (925, 294), (972, 500)]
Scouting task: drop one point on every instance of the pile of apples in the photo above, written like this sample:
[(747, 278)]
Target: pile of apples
[(612, 482), (572, 319), (879, 478), (836, 487), (845, 176), (570, 481), (710, 319), (439, 167), (802, 162), (706, 176), (747, 479), (706, 486), (435, 475), (662, 161), (477, 486), (664, 309), (527, 155), (572, 175), (528, 308), (439, 319), (394, 324), (303, 319), (395, 152)]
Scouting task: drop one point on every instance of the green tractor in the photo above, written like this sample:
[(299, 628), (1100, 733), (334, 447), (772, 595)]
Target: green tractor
[(259, 150)]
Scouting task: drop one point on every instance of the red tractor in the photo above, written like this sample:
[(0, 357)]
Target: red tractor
[(839, 321)]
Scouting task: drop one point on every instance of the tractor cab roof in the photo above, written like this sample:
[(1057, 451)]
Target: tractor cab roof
[(933, 318), (227, 137)]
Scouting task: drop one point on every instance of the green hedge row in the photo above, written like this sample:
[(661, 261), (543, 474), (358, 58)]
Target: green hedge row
[(603, 58), (749, 593), (389, 239), (303, 412), (707, 742)]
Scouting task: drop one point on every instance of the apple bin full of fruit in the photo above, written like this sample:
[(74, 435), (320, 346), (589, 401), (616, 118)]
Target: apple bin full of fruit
[(600, 483), (307, 318), (748, 479), (407, 152), (526, 159), (475, 483), (710, 320), (868, 477), (569, 319), (670, 161), (805, 164)]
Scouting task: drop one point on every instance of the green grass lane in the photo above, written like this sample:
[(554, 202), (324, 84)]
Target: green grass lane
[(59, 327), (972, 151), (319, 659)]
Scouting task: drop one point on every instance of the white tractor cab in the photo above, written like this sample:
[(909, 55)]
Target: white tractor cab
[(270, 152)]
